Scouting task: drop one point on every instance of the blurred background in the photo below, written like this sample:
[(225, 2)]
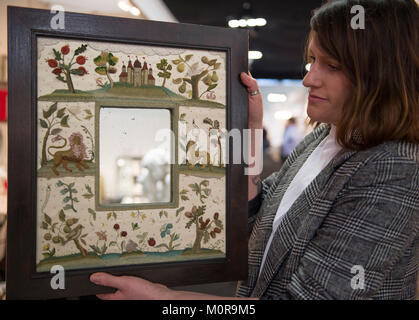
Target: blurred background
[(278, 31)]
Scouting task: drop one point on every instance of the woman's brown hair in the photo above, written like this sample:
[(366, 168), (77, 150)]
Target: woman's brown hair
[(382, 63)]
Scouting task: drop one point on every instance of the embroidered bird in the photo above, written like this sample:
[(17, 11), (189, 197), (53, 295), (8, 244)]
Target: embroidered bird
[(74, 234)]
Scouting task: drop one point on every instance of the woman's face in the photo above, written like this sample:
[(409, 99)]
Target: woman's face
[(329, 88)]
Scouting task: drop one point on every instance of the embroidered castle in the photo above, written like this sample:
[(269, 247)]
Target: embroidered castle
[(137, 75)]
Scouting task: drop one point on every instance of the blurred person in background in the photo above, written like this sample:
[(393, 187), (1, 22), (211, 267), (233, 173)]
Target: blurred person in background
[(292, 137)]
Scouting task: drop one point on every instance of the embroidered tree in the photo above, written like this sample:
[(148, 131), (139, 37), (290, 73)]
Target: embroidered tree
[(203, 228), (215, 126), (105, 65), (196, 73), (60, 67), (51, 119), (165, 68)]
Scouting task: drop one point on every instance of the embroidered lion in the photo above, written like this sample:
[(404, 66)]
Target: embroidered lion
[(75, 154)]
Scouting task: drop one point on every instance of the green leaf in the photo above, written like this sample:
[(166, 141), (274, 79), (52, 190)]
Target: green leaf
[(47, 219), (66, 199), (177, 80), (56, 131), (101, 70), (93, 213), (169, 67), (218, 223), (60, 77), (179, 210), (64, 191), (112, 60), (44, 124), (135, 226), (62, 215), (112, 243), (109, 215), (71, 185), (80, 49), (67, 207), (52, 252), (212, 87), (188, 57), (184, 198), (87, 195), (160, 74), (44, 225), (176, 61), (57, 55), (208, 121), (75, 200), (64, 121), (50, 111), (217, 66), (77, 71), (162, 245)]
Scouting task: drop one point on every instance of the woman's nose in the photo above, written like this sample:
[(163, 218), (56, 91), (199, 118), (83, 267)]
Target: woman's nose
[(312, 78)]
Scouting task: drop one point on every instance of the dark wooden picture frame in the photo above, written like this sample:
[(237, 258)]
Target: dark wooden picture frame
[(24, 27)]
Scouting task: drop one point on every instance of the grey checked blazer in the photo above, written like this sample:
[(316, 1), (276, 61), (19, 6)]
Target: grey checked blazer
[(361, 210)]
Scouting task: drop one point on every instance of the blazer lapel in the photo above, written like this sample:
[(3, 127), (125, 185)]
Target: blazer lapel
[(300, 223)]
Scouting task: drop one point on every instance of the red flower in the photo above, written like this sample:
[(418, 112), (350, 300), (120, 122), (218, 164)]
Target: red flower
[(116, 226), (81, 59), (83, 69), (123, 234), (52, 63), (151, 242), (57, 71), (65, 50)]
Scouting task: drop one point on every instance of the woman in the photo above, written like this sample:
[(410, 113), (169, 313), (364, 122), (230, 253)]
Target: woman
[(340, 219)]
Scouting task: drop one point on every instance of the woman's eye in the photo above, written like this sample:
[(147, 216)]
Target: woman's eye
[(331, 66), (311, 59)]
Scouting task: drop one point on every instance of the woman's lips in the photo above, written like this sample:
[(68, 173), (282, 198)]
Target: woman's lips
[(314, 98)]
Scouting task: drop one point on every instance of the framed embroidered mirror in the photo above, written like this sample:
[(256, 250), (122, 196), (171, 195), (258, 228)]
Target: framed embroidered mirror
[(118, 152)]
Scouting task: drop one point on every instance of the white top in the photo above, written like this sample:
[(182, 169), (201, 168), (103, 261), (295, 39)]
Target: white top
[(315, 163)]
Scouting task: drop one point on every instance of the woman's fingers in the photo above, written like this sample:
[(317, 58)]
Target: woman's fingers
[(249, 82), (108, 280)]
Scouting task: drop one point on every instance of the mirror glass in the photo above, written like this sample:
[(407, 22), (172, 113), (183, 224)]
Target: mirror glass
[(134, 160)]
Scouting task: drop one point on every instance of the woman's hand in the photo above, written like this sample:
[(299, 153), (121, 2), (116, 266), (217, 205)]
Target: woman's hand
[(255, 101), (131, 288)]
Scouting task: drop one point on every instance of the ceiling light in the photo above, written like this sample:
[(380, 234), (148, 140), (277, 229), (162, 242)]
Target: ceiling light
[(254, 55), (242, 23), (123, 5), (277, 97), (233, 23), (135, 11), (260, 22), (252, 22), (283, 115)]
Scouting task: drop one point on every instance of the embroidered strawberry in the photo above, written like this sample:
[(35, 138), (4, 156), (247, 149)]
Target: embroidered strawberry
[(52, 63), (116, 226), (65, 50), (81, 59), (57, 71), (151, 242), (123, 234)]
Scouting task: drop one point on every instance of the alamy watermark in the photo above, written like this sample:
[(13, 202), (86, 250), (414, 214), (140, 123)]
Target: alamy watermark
[(58, 280), (358, 20), (58, 20), (358, 280)]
